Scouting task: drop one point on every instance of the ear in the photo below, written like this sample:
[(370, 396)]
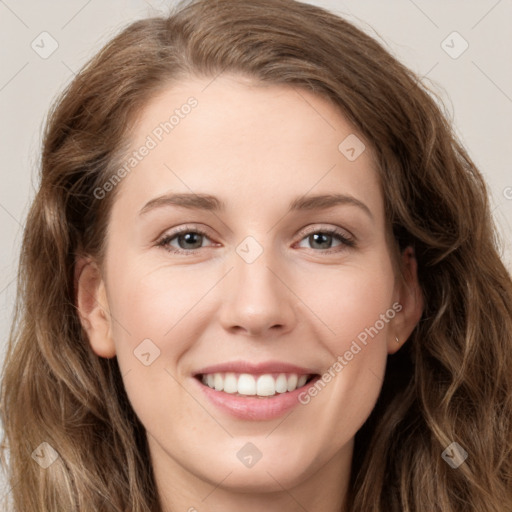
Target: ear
[(93, 310), (408, 294)]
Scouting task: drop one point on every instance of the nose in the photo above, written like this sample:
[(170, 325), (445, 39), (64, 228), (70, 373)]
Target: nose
[(259, 301)]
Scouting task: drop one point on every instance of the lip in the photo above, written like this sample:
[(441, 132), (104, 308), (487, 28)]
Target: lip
[(255, 368), (252, 408)]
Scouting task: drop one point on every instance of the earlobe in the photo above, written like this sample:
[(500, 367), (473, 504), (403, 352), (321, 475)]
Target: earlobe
[(92, 305), (410, 297)]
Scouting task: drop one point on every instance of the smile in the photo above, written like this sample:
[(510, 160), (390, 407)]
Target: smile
[(263, 396), (262, 385)]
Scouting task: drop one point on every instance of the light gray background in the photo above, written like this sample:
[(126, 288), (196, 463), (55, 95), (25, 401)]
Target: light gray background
[(476, 87)]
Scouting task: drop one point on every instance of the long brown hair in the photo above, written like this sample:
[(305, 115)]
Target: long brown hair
[(451, 381)]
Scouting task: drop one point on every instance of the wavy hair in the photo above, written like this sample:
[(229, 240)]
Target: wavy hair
[(451, 381)]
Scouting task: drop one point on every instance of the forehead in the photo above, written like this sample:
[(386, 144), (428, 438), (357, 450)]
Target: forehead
[(247, 142)]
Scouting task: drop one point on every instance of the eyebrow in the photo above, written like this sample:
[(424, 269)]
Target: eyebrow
[(211, 203)]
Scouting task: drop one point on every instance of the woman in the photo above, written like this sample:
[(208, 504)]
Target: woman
[(256, 369)]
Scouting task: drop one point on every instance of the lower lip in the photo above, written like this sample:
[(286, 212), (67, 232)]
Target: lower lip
[(255, 409)]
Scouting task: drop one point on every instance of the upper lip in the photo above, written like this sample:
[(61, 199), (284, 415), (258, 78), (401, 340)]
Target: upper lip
[(255, 368)]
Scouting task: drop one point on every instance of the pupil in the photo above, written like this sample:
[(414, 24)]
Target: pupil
[(189, 239), (328, 239)]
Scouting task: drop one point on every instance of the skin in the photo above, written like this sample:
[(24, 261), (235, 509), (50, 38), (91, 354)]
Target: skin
[(256, 148)]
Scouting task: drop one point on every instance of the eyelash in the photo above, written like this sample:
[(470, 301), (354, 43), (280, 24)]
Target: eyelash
[(338, 234)]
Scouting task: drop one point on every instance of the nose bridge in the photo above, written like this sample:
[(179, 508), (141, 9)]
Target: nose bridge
[(257, 300)]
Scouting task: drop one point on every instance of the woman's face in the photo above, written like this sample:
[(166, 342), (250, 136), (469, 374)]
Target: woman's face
[(282, 272)]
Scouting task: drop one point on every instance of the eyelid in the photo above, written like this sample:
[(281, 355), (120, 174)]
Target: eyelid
[(346, 239), (329, 229), (174, 232)]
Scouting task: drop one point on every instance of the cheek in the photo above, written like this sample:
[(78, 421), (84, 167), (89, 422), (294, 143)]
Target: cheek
[(351, 299), (155, 322), (151, 322), (358, 311), (152, 304)]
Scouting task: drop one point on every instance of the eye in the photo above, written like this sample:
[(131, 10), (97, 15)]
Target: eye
[(323, 239), (189, 240)]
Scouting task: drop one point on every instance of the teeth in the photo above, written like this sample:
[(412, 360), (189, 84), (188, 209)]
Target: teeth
[(282, 383), (266, 386), (218, 382), (230, 383), (259, 385), (292, 382), (246, 384)]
